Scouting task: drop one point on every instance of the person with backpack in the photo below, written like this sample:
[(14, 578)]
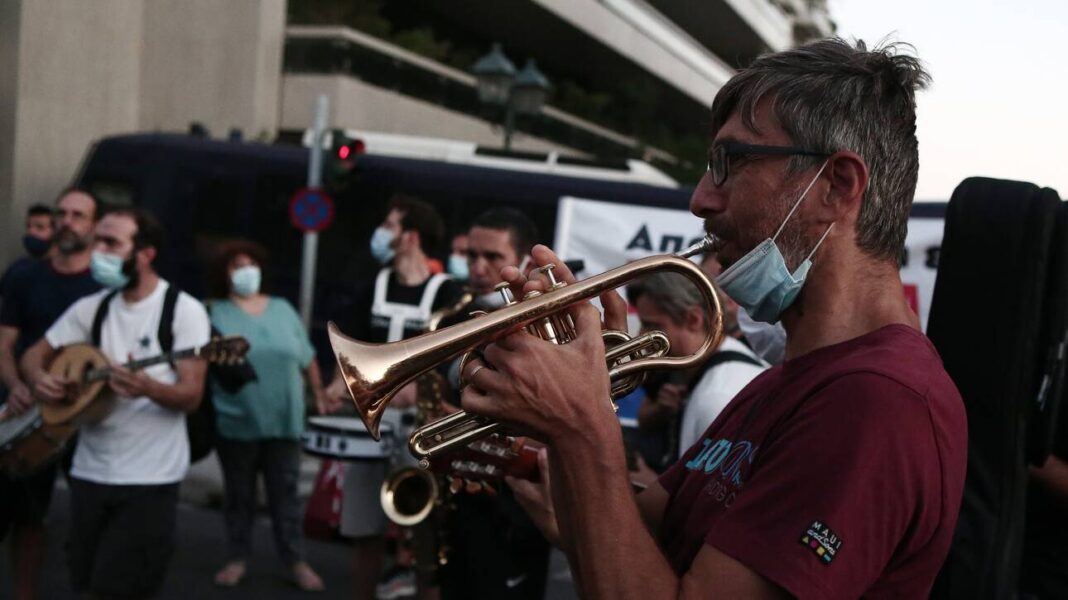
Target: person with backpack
[(258, 427), (685, 407), (127, 467)]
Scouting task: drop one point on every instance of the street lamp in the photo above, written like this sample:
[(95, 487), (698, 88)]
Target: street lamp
[(524, 92)]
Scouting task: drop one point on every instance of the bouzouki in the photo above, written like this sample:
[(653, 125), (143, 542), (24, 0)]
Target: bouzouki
[(86, 370)]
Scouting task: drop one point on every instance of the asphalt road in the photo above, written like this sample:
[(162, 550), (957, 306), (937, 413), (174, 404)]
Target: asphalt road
[(201, 550)]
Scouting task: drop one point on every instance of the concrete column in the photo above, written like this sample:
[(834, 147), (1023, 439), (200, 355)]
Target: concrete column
[(221, 67), (73, 71), (74, 79)]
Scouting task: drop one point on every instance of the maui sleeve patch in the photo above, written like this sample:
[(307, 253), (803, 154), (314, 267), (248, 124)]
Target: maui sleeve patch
[(822, 541)]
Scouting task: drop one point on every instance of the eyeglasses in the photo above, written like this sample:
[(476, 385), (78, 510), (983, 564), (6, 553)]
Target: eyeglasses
[(720, 154)]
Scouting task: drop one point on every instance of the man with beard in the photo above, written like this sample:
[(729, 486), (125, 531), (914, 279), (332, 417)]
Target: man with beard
[(34, 298), (837, 474), (126, 470)]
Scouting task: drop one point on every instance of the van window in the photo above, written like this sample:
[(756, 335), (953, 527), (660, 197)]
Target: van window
[(113, 193)]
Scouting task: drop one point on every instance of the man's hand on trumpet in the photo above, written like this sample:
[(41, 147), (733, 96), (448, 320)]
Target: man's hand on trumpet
[(552, 392)]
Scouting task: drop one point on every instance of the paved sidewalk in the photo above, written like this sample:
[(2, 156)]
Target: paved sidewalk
[(201, 550)]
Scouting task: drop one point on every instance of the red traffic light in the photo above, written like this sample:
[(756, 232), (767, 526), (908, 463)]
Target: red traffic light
[(350, 149)]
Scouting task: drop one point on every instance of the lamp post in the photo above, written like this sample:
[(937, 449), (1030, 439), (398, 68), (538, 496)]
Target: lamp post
[(522, 92)]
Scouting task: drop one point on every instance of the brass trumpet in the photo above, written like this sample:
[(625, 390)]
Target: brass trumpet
[(374, 373)]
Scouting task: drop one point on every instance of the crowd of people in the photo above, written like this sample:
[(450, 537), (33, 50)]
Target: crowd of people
[(89, 277), (819, 452)]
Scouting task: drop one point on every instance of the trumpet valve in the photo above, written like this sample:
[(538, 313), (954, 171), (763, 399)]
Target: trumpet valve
[(547, 270), (505, 290)]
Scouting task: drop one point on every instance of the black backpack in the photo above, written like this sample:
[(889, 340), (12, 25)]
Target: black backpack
[(199, 424)]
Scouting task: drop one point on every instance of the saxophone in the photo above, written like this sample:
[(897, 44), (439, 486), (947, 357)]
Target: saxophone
[(417, 499)]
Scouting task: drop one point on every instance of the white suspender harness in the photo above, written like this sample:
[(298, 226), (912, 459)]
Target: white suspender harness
[(401, 315)]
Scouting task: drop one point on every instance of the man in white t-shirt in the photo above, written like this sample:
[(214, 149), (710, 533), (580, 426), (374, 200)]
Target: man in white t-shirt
[(124, 480), (684, 407)]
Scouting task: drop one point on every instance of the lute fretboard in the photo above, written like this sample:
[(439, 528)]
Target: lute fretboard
[(93, 375)]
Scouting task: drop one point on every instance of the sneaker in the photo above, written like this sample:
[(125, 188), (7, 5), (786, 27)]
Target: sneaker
[(398, 583)]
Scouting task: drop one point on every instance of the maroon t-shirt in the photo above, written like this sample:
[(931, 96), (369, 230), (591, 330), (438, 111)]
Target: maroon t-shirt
[(836, 475)]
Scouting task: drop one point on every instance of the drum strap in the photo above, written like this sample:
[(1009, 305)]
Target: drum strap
[(165, 334)]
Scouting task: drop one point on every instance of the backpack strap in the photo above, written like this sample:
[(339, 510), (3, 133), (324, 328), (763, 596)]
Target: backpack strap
[(101, 314), (165, 335), (719, 358), (731, 356)]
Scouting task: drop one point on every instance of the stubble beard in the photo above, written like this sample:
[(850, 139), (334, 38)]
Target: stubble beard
[(68, 242), (794, 244)]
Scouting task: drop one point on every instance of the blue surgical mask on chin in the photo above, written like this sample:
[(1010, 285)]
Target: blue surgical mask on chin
[(760, 281), (458, 267), (107, 270), (381, 245), (246, 280)]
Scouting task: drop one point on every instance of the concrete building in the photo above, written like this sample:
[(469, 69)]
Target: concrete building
[(74, 71)]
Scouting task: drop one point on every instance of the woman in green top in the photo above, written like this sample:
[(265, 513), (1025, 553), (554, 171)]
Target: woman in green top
[(259, 427)]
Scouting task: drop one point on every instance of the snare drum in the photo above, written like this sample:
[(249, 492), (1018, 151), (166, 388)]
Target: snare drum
[(28, 443), (346, 438)]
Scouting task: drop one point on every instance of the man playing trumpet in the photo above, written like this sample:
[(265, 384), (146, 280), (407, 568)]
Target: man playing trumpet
[(836, 474)]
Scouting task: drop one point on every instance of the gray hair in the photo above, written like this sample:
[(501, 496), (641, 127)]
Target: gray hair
[(671, 293), (830, 96)]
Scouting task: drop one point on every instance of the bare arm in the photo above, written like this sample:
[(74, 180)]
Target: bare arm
[(9, 372), (548, 389), (184, 395), (614, 556), (313, 377), (44, 386), (1053, 475), (19, 397)]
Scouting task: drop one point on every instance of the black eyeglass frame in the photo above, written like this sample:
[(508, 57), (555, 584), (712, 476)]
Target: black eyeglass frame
[(720, 153)]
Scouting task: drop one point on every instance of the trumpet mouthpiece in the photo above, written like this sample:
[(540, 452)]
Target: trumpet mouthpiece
[(709, 243)]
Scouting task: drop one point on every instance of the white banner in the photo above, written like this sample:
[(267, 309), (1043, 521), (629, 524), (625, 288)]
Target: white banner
[(605, 235), (920, 263)]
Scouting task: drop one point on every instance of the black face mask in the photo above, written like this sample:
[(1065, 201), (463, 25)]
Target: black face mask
[(35, 246)]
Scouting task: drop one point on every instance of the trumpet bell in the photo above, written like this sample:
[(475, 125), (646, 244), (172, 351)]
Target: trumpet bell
[(373, 373)]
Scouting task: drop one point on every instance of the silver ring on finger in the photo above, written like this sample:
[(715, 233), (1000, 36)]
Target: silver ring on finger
[(471, 377)]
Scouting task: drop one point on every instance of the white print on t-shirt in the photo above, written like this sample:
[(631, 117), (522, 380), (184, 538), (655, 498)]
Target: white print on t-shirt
[(727, 462), (141, 442)]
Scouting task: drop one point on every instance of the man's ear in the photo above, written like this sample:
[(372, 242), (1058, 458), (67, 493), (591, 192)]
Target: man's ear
[(148, 255), (847, 176), (695, 319)]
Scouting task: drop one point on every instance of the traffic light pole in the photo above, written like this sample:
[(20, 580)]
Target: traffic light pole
[(311, 238)]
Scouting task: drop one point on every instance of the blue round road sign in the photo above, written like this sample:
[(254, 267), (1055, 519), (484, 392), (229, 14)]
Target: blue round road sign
[(311, 209)]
